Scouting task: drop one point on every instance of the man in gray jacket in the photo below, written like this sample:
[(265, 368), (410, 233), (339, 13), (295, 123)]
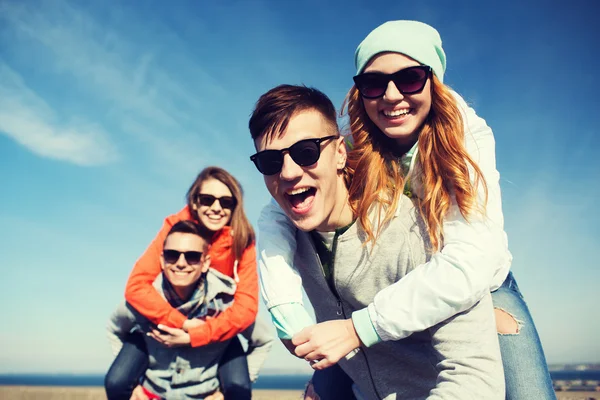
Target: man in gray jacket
[(303, 158), (189, 285)]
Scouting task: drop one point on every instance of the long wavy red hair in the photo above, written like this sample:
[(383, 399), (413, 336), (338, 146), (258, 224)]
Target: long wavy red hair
[(377, 177)]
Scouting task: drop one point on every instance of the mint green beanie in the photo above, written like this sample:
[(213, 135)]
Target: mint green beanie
[(414, 39)]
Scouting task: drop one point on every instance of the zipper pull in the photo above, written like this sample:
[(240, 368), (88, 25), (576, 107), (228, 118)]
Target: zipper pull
[(340, 310)]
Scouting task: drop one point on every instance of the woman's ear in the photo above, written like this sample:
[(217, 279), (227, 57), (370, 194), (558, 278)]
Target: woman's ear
[(341, 153)]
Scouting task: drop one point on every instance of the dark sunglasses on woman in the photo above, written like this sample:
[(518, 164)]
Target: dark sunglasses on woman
[(373, 85), (191, 257), (208, 200), (304, 153)]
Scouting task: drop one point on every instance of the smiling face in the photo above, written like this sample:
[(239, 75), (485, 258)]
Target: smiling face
[(398, 116), (214, 217), (314, 196), (181, 274)]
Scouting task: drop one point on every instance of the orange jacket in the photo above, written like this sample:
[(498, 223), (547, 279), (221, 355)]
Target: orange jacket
[(140, 293)]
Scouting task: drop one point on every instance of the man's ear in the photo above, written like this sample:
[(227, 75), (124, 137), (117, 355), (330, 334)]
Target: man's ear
[(341, 153), (205, 263)]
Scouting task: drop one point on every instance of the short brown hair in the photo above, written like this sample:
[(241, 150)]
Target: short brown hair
[(187, 226), (275, 108), (243, 234)]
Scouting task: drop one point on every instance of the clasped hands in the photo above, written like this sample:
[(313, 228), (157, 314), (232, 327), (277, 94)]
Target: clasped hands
[(174, 337), (324, 344)]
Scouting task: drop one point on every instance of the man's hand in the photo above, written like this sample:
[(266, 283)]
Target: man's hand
[(192, 323), (170, 337), (138, 394), (324, 344), (215, 396)]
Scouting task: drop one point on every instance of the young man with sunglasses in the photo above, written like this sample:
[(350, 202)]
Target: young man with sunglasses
[(303, 160), (180, 371)]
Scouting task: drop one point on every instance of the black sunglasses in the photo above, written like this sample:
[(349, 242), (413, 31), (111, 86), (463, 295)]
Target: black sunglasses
[(373, 85), (304, 153), (208, 200), (191, 257)]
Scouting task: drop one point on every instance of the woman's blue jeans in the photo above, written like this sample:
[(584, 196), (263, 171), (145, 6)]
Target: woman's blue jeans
[(131, 363), (525, 368), (127, 368)]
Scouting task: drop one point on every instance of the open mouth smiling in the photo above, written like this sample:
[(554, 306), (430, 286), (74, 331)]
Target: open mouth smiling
[(181, 273), (396, 114), (300, 199)]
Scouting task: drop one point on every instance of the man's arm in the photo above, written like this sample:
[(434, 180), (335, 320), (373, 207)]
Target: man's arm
[(120, 323), (260, 341), (280, 282)]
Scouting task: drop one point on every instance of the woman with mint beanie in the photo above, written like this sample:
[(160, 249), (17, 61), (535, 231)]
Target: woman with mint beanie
[(412, 134), (461, 157)]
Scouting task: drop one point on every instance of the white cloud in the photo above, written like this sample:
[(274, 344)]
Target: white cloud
[(31, 122), (121, 66)]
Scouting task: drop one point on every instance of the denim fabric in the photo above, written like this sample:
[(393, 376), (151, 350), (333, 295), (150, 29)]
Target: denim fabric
[(127, 369), (233, 373), (132, 361), (525, 368)]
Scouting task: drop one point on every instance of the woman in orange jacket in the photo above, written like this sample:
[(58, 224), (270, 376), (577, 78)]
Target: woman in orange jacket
[(214, 201)]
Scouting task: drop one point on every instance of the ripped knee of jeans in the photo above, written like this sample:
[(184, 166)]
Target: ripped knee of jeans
[(506, 324)]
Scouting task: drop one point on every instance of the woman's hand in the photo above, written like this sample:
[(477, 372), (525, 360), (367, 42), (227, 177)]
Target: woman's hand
[(192, 323), (170, 337), (324, 344)]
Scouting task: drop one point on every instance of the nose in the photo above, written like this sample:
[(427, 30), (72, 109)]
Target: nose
[(290, 170), (181, 262), (216, 206), (392, 94)]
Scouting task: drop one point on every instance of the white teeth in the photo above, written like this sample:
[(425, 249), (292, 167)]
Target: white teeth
[(180, 273), (298, 191), (396, 113), (215, 217)]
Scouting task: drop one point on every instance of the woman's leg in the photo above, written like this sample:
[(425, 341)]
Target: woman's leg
[(525, 368), (233, 372), (127, 368), (332, 383)]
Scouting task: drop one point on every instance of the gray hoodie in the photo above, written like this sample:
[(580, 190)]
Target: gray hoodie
[(456, 359), (180, 372)]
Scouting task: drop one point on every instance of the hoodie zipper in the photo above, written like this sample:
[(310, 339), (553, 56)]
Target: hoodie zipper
[(340, 307), (340, 310)]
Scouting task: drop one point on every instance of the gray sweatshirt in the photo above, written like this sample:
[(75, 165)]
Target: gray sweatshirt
[(180, 372), (456, 359)]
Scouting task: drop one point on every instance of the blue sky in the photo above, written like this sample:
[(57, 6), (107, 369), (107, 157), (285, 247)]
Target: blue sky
[(108, 110)]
